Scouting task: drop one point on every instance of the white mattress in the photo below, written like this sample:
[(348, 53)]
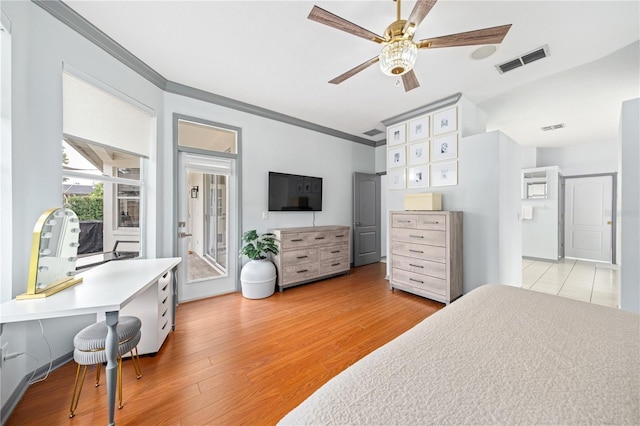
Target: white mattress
[(498, 355)]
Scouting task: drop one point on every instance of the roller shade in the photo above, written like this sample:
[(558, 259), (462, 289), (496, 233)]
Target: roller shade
[(96, 115)]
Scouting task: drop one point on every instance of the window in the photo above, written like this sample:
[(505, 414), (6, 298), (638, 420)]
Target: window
[(102, 186)]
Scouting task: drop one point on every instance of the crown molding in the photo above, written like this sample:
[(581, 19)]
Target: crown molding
[(441, 103), (75, 21)]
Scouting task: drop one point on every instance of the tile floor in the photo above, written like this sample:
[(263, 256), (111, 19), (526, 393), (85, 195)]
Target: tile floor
[(576, 279)]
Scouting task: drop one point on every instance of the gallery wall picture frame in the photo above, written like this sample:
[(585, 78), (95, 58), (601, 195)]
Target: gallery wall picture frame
[(396, 135), (419, 128), (419, 153), (418, 177), (445, 121), (444, 174), (396, 179), (444, 147), (396, 157)]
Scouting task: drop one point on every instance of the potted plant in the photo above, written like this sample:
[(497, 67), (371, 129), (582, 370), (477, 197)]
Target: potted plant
[(258, 276)]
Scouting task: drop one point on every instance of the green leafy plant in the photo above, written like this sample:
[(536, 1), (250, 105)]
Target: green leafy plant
[(258, 246)]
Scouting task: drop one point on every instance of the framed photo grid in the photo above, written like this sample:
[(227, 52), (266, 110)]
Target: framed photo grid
[(423, 152)]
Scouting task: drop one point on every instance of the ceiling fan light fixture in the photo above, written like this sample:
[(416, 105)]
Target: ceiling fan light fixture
[(398, 57)]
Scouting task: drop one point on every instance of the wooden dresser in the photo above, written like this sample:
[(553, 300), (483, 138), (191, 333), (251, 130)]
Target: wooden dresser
[(312, 253), (426, 253)]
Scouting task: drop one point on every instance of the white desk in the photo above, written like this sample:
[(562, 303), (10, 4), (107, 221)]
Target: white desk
[(105, 290)]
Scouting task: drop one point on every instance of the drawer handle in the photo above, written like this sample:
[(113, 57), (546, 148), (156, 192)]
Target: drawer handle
[(403, 221), (165, 312), (335, 264), (339, 236), (335, 251), (165, 300), (434, 223), (416, 266), (296, 240), (165, 325), (417, 281), (303, 270), (301, 257), (165, 287), (416, 251), (319, 238), (416, 236)]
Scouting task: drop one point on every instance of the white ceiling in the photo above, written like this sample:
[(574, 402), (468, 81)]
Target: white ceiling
[(268, 54)]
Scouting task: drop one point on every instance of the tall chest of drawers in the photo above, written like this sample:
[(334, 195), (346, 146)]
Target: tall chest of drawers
[(311, 253), (426, 253)]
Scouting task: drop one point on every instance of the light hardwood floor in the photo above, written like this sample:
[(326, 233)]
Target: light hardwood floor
[(237, 361)]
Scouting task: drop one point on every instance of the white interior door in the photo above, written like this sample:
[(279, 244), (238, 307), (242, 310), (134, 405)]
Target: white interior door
[(207, 226), (588, 220)]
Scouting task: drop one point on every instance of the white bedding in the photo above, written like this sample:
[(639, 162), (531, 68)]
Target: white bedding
[(498, 355)]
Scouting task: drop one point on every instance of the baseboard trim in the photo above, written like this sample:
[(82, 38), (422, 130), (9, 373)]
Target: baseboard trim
[(22, 387)]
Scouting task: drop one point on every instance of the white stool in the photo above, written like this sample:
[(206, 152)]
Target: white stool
[(89, 346)]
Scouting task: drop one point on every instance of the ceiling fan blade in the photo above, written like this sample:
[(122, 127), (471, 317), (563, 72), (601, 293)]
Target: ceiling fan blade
[(493, 35), (410, 81), (320, 15), (420, 10), (339, 79)]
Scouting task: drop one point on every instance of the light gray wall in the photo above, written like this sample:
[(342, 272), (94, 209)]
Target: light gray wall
[(629, 275), (40, 46), (269, 145), (488, 194), (540, 234), (582, 159)]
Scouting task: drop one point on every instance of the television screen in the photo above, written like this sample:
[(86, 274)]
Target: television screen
[(294, 193)]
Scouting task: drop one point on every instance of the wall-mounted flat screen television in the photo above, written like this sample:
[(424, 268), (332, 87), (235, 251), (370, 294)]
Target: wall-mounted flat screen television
[(289, 193)]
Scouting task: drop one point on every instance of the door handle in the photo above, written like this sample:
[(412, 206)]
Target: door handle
[(183, 234), (358, 224), (609, 222)]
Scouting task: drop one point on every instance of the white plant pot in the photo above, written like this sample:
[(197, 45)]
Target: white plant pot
[(258, 279)]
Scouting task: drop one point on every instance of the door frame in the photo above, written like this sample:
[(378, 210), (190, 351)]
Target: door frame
[(614, 203), (238, 159)]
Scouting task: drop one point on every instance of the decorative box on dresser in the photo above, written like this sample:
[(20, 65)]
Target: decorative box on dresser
[(311, 253), (426, 253)]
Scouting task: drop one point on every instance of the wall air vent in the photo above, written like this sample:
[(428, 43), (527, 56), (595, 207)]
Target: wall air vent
[(373, 132), (553, 127), (527, 58)]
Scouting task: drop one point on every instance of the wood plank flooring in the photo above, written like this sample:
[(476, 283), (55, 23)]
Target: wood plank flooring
[(234, 361)]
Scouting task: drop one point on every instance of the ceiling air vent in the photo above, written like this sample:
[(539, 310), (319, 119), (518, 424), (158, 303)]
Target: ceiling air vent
[(553, 127), (527, 58), (373, 132)]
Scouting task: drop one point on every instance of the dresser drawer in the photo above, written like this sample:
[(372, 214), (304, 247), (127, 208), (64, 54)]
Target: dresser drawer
[(339, 236), (296, 240), (330, 266), (333, 252), (403, 221), (419, 251), (301, 272), (433, 221), (419, 266), (419, 236), (295, 257), (424, 282)]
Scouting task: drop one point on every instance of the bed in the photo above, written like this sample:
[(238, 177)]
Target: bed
[(498, 355)]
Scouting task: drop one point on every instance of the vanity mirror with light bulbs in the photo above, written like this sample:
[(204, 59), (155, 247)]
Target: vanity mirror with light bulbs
[(54, 250)]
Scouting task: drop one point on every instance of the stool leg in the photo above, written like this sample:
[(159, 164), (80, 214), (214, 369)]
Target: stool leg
[(136, 362), (98, 368), (119, 379), (76, 391)]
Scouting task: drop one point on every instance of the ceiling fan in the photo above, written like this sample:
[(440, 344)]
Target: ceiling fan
[(399, 51)]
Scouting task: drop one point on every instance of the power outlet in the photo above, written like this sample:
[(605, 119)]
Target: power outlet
[(3, 353)]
